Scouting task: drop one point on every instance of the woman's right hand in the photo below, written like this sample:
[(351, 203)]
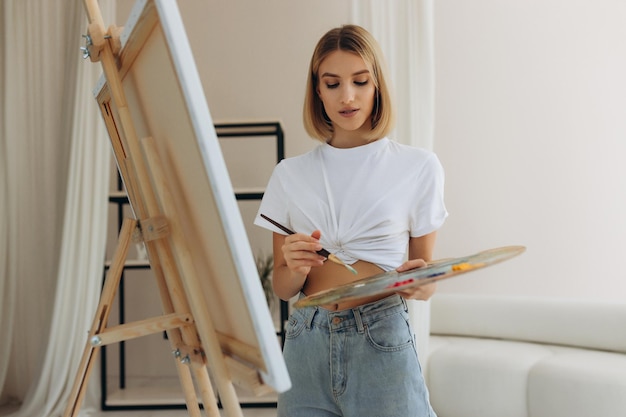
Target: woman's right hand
[(294, 256), (300, 253)]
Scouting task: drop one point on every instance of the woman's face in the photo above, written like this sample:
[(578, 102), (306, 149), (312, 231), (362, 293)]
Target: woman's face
[(346, 89)]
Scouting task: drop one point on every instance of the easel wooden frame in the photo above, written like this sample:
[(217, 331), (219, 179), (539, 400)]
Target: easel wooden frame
[(193, 338)]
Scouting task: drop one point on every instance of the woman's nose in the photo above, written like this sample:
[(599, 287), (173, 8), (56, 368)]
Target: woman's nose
[(347, 95)]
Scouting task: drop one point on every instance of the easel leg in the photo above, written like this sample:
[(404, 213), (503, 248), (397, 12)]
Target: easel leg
[(99, 324), (206, 391), (186, 383), (102, 314)]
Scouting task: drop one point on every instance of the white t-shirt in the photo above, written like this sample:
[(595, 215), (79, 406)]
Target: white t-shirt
[(367, 201)]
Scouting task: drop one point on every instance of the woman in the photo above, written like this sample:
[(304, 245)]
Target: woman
[(369, 201)]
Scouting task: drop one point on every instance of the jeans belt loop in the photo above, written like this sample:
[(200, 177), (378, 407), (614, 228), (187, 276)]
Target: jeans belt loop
[(311, 311), (358, 320)]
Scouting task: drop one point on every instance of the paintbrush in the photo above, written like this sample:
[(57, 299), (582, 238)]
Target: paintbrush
[(322, 252)]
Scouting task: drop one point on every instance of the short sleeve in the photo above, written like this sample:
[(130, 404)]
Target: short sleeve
[(274, 203), (429, 210)]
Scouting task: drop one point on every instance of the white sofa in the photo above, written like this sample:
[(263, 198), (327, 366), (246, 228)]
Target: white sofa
[(494, 356)]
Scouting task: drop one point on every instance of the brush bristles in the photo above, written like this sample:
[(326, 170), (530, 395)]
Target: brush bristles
[(336, 260)]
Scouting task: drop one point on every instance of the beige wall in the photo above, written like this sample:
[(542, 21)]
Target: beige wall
[(530, 123), (531, 128)]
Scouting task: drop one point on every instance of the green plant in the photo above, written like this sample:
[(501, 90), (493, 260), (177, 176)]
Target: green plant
[(265, 266)]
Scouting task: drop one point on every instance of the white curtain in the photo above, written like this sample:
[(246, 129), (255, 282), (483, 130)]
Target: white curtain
[(404, 29), (54, 177)]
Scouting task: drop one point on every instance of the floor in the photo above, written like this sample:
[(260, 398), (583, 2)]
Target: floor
[(247, 412), (266, 411), (163, 391)]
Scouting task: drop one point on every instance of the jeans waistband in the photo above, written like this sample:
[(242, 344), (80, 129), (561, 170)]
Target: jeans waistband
[(355, 317)]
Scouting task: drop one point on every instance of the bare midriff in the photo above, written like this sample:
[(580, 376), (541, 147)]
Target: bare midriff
[(332, 275)]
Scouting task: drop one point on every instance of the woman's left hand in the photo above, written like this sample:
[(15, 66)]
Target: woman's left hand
[(421, 292)]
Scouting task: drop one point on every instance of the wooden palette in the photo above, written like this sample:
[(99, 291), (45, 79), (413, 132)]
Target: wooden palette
[(392, 281)]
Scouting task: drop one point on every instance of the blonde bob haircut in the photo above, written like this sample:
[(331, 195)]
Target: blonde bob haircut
[(354, 39)]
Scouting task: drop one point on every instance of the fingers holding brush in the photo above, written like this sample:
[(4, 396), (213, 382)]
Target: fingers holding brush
[(294, 256), (300, 252)]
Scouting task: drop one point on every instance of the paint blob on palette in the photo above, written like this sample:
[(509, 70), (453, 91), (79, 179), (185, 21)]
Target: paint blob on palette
[(393, 281)]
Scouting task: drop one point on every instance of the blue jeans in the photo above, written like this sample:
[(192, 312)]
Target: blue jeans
[(358, 362)]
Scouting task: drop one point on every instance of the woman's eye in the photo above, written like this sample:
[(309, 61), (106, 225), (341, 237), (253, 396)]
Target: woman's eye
[(361, 83), (331, 86)]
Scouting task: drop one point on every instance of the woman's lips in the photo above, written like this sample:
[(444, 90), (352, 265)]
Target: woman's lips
[(348, 112)]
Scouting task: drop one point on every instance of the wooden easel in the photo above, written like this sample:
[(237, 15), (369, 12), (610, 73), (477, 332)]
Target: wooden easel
[(140, 169)]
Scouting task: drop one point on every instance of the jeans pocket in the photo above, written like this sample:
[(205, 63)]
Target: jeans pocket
[(294, 326), (390, 334)]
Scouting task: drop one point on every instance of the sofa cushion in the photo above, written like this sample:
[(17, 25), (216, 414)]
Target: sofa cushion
[(578, 383), (471, 377)]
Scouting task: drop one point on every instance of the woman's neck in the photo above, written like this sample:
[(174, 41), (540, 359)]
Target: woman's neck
[(349, 139)]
